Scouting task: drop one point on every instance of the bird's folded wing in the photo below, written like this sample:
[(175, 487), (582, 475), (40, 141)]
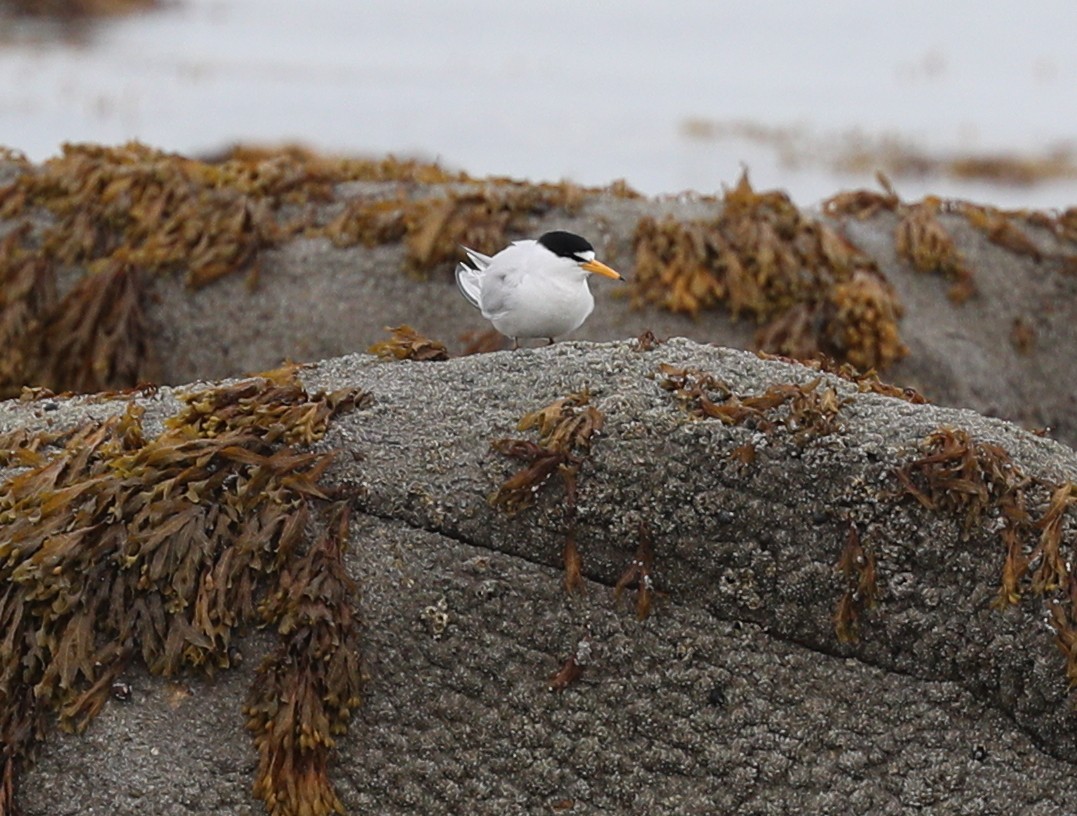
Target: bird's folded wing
[(469, 282)]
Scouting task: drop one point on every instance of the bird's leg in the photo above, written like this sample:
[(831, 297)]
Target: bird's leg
[(551, 341), (515, 343)]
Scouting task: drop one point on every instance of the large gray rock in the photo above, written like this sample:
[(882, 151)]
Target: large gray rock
[(734, 696)]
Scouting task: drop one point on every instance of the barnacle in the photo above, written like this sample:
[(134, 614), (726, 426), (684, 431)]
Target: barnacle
[(116, 547)]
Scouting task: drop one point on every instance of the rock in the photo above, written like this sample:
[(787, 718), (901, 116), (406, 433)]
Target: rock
[(943, 702)]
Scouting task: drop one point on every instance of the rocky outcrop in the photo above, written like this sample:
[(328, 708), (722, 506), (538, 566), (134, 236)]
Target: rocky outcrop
[(832, 626)]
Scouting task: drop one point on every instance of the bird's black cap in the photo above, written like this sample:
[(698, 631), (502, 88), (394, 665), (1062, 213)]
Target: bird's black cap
[(566, 244)]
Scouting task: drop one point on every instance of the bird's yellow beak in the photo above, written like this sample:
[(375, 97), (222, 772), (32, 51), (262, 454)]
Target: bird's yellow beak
[(600, 268)]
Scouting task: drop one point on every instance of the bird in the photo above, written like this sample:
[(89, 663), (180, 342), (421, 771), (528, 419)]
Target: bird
[(534, 288)]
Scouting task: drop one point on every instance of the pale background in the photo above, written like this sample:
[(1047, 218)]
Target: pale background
[(660, 94)]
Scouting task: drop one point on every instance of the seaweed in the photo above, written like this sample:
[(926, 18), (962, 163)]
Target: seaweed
[(867, 382), (922, 241), (434, 227), (115, 547), (861, 592), (407, 344), (762, 258), (640, 571), (572, 667), (305, 691), (565, 428), (863, 204), (1000, 229), (812, 411), (78, 9), (27, 298), (966, 478), (647, 341), (482, 342), (1023, 336)]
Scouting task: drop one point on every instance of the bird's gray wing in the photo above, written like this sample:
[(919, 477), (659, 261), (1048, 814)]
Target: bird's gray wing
[(469, 282), (498, 291)]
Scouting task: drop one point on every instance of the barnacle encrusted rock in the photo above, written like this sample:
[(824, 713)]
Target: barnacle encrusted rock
[(825, 631)]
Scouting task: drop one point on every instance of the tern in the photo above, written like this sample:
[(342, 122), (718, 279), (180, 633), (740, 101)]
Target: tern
[(534, 288)]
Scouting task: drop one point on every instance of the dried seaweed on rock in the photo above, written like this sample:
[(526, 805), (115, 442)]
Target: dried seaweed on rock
[(965, 477), (97, 338), (435, 226), (482, 342), (304, 693), (863, 204), (922, 241), (116, 547), (68, 10), (811, 411), (969, 479), (1001, 229), (152, 213), (867, 382), (764, 259), (572, 667), (566, 428), (164, 213), (640, 571), (407, 344), (857, 321), (27, 297), (857, 568)]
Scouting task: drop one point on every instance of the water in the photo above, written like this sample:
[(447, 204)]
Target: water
[(588, 91)]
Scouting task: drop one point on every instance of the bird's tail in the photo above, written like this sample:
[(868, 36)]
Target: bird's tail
[(481, 261)]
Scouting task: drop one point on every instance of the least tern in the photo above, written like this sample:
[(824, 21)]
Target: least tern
[(533, 288)]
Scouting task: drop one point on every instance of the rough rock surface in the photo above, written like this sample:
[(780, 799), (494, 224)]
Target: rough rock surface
[(734, 696)]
